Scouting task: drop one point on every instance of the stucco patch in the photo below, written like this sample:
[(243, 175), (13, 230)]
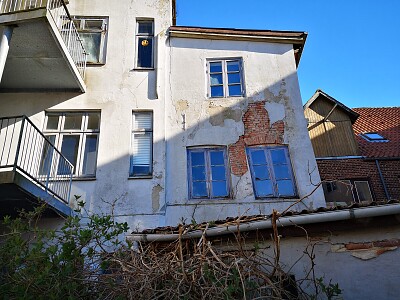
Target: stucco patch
[(155, 197), (276, 111), (181, 105), (219, 114)]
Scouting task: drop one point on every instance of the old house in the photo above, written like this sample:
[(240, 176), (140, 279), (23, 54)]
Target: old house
[(357, 150), (158, 122)]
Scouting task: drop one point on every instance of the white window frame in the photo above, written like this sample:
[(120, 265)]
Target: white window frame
[(80, 22), (148, 37), (225, 83), (270, 167), (83, 132), (208, 175), (351, 188), (142, 131)]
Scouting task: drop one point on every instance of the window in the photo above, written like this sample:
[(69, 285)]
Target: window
[(271, 172), (142, 144), (373, 137), (208, 173), (225, 78), (144, 44), (93, 32), (347, 191), (76, 135)]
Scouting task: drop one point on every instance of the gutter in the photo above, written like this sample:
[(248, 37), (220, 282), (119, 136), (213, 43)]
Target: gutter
[(321, 217)]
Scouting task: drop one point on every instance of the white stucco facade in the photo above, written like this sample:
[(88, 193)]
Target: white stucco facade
[(175, 91)]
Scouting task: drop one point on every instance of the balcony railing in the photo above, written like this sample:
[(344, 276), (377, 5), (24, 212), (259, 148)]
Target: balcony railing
[(59, 12), (26, 150)]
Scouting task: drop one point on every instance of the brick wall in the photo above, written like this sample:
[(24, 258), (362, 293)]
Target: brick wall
[(257, 131), (362, 169)]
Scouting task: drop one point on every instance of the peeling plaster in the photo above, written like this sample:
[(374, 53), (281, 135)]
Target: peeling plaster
[(155, 197), (276, 111), (219, 114)]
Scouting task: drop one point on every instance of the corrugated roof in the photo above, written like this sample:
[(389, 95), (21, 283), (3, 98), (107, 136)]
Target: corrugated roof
[(386, 122)]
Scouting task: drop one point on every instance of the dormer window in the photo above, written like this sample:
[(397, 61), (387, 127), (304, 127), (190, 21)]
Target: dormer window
[(373, 137)]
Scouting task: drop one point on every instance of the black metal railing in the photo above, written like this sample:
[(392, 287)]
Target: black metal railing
[(26, 150)]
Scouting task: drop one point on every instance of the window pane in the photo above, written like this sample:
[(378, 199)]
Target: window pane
[(281, 172), (142, 120), (363, 191), (47, 156), (93, 121), (91, 42), (69, 148), (263, 188), (217, 91), (197, 158), (278, 156), (199, 189), (233, 66), (219, 189), (199, 173), (94, 24), (261, 172), (215, 67), (216, 79), (145, 52), (73, 121), (52, 122), (145, 27), (235, 90), (141, 153), (89, 158), (217, 158), (258, 157), (218, 173), (233, 78), (285, 188)]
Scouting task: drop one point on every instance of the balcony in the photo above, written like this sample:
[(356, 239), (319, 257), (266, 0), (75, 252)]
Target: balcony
[(45, 50), (32, 170)]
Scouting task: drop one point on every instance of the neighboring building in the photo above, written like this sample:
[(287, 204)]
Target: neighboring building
[(357, 150), (160, 123)]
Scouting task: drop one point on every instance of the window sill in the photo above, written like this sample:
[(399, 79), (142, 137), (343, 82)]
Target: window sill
[(83, 178), (95, 64), (230, 97), (140, 177), (142, 69)]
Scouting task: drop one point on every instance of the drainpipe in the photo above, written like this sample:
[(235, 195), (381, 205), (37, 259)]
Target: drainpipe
[(382, 180), (4, 47)]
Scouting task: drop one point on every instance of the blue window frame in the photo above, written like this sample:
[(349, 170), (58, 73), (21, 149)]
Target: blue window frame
[(225, 78), (208, 173), (271, 172)]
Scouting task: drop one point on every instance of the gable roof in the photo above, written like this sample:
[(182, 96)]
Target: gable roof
[(352, 114), (384, 121), (296, 38)]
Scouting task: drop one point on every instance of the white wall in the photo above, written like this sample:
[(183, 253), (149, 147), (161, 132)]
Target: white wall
[(269, 74)]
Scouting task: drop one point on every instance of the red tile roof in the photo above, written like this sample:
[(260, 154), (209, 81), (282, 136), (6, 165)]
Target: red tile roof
[(384, 121)]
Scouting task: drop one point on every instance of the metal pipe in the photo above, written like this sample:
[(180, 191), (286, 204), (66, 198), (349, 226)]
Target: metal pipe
[(330, 216), (382, 180), (4, 47)]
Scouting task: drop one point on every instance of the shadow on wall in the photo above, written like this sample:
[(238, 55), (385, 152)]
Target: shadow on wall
[(272, 116)]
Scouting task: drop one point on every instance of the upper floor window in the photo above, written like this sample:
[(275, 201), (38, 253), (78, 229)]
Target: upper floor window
[(142, 144), (208, 173), (93, 32), (76, 134), (144, 44), (271, 172), (225, 78)]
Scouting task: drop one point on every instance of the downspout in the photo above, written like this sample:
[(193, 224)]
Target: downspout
[(4, 47), (330, 216), (382, 180)]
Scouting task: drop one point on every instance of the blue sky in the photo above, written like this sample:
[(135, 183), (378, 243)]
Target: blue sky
[(352, 49)]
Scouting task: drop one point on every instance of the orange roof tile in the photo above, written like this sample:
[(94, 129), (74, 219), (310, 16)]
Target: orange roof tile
[(384, 121)]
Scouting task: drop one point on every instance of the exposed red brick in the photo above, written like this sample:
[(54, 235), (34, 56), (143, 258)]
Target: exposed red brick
[(257, 131), (358, 246)]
